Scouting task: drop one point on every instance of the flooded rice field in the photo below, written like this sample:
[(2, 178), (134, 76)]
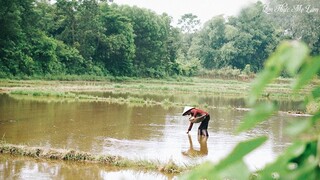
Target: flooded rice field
[(135, 132)]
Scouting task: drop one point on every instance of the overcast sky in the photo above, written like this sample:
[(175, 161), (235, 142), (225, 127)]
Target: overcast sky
[(204, 9)]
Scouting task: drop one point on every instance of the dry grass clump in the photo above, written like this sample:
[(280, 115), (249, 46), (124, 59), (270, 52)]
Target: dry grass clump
[(72, 155)]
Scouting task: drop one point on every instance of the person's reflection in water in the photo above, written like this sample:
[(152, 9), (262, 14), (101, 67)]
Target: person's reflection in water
[(191, 152)]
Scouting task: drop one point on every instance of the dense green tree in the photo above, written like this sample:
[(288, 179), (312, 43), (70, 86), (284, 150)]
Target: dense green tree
[(44, 49), (246, 39), (209, 41), (45, 16), (171, 46), (189, 25), (89, 28), (257, 37), (116, 48), (16, 19), (151, 38), (26, 48), (66, 21), (38, 37)]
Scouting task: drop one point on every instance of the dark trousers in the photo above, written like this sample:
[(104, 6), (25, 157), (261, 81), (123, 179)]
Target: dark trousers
[(202, 130)]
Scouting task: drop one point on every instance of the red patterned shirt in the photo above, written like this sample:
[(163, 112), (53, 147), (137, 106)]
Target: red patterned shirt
[(196, 113)]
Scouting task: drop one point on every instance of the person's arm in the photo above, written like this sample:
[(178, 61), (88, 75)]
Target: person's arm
[(202, 116), (190, 127), (196, 119)]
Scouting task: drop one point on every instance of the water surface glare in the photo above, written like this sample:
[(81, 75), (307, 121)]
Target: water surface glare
[(153, 133)]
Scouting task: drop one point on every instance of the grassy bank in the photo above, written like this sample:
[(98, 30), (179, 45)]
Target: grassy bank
[(40, 90), (132, 100), (204, 86), (77, 156)]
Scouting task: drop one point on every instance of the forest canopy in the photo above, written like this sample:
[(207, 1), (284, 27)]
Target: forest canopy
[(99, 38)]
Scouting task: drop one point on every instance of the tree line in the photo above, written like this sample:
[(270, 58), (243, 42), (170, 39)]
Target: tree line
[(99, 38)]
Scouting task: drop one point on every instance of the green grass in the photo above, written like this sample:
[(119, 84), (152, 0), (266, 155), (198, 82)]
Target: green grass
[(73, 90)]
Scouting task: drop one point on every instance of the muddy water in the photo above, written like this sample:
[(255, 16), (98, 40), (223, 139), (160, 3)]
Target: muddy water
[(153, 133), (12, 167)]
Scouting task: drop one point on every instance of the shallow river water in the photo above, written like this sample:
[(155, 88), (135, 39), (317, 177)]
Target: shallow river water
[(135, 132)]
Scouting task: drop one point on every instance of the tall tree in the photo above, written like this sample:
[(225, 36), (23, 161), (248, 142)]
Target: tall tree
[(172, 46), (45, 16), (66, 21), (207, 44), (257, 37), (16, 19), (246, 39), (151, 35), (189, 23), (116, 47), (89, 28)]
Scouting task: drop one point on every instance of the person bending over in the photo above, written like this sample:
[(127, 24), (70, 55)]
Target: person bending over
[(197, 116)]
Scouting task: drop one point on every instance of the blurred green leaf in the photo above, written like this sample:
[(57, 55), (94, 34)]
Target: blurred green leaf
[(306, 171), (203, 171), (280, 166), (316, 93), (294, 150), (289, 55), (238, 170), (279, 57), (260, 113), (242, 149), (297, 162), (298, 127), (259, 84), (307, 73), (315, 117), (295, 56)]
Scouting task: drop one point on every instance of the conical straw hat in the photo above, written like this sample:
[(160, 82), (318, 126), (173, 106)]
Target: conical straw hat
[(186, 109)]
